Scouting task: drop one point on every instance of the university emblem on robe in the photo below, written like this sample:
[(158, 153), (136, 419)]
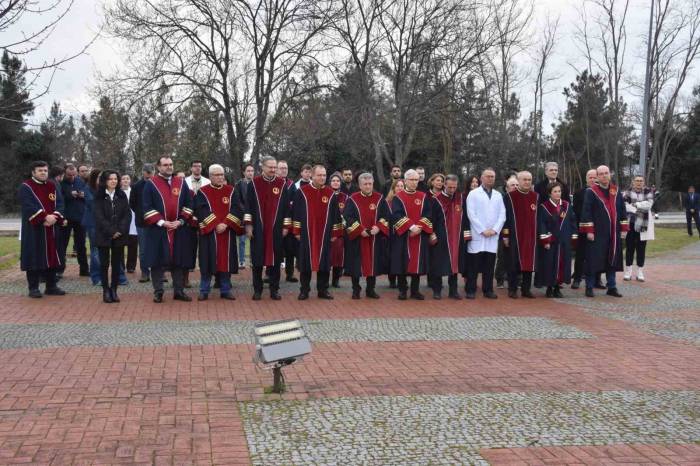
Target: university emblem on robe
[(324, 199), (613, 191), (533, 206), (224, 200), (275, 190), (417, 201), (458, 209), (52, 196), (176, 191), (563, 214), (341, 205), (372, 207)]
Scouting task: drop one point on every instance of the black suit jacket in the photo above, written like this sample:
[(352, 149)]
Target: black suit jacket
[(694, 204)]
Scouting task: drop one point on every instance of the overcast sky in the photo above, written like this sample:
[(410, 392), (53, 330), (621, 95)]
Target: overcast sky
[(72, 85)]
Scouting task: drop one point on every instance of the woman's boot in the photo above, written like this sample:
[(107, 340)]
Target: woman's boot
[(113, 292), (550, 293), (107, 295)]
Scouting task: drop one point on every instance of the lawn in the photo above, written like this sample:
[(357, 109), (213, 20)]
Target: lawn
[(669, 239)]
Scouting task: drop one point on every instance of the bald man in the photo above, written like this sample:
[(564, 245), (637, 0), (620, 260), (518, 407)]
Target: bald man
[(520, 235), (604, 224)]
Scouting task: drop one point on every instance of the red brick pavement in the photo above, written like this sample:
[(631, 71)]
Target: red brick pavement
[(177, 404), (595, 455)]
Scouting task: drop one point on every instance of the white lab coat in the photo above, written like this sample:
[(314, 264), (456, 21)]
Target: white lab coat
[(485, 213)]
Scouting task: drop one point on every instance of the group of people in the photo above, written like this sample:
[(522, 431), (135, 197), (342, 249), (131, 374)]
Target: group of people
[(333, 227)]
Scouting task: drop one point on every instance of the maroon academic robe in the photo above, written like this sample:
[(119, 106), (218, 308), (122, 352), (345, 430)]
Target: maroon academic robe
[(316, 219), (409, 254), (218, 252), (338, 247), (454, 219), (366, 256), (267, 210), (521, 229), (38, 246)]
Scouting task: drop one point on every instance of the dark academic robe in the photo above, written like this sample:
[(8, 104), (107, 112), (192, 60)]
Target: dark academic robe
[(218, 252), (466, 237), (267, 209), (38, 243), (603, 214), (439, 263), (290, 243), (338, 247), (316, 218), (169, 202), (557, 227), (449, 226), (366, 256), (409, 254), (521, 229)]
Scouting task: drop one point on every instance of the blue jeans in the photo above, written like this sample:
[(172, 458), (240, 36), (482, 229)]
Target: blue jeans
[(141, 231), (224, 280), (609, 277), (95, 262), (241, 248)]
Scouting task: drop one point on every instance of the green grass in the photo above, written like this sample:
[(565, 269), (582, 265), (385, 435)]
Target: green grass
[(668, 239), (9, 251)]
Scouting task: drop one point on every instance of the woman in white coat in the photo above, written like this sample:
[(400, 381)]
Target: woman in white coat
[(487, 214), (638, 202)]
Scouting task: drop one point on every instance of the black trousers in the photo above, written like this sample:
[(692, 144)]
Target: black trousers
[(321, 281), (634, 245), (371, 283), (482, 263), (580, 261), (525, 280), (689, 217), (289, 265), (402, 281), (78, 245), (435, 283), (502, 262), (110, 256), (132, 253), (178, 274), (273, 272), (337, 273), (34, 277)]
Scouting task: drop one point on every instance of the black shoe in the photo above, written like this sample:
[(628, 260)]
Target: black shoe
[(371, 294), (325, 295), (402, 295), (550, 292), (158, 297), (576, 285), (292, 279), (418, 296), (182, 297), (257, 296), (557, 292), (144, 279), (513, 294), (55, 291), (455, 296), (437, 295), (527, 294), (355, 294), (490, 295), (614, 292), (275, 296), (130, 271), (107, 296), (115, 296), (228, 296), (303, 296), (35, 294), (202, 297), (470, 295), (590, 293)]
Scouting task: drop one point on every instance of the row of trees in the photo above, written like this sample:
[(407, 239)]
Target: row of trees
[(370, 83)]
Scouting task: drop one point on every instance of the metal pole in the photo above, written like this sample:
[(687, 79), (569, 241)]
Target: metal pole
[(277, 384), (644, 142)]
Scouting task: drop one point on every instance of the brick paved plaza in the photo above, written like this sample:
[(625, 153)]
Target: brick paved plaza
[(573, 381)]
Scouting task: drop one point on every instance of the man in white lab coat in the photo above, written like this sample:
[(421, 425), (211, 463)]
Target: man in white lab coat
[(487, 214)]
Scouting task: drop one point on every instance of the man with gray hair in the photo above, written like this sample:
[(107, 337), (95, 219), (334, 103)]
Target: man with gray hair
[(551, 171), (136, 204)]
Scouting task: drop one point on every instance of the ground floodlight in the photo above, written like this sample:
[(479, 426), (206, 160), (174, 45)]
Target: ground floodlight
[(279, 343)]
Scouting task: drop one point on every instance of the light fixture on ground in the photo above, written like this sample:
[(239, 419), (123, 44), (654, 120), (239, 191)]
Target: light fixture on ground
[(280, 343)]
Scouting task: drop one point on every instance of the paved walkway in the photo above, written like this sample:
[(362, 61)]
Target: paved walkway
[(572, 381)]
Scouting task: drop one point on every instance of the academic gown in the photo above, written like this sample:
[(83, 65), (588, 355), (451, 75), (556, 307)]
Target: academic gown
[(439, 258), (556, 227), (409, 254), (366, 256), (338, 247), (451, 225), (218, 252), (604, 215), (316, 219), (267, 209), (290, 243), (38, 242), (169, 202), (521, 229)]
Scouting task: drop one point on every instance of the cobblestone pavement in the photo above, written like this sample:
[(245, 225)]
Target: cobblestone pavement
[(570, 381)]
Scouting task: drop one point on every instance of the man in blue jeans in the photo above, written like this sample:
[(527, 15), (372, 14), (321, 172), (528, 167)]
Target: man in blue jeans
[(135, 202)]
